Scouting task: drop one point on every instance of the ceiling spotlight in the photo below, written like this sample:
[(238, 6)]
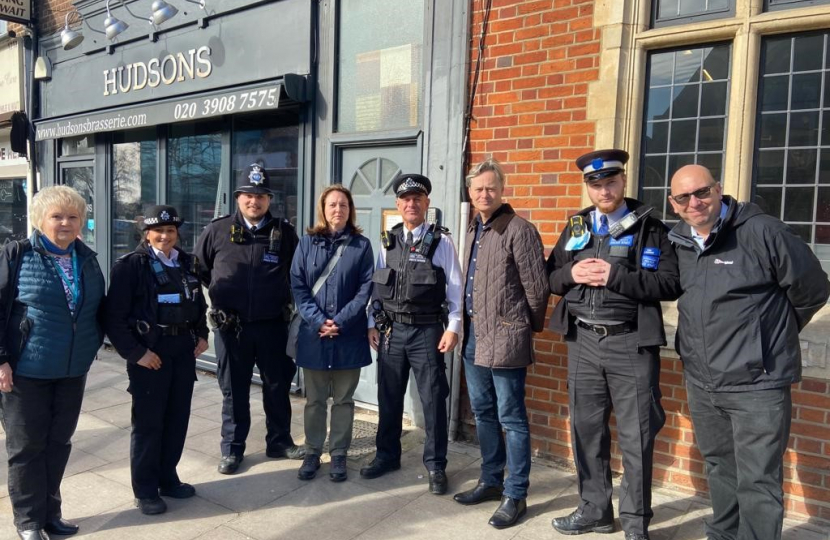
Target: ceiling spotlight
[(162, 12), (70, 38), (113, 25)]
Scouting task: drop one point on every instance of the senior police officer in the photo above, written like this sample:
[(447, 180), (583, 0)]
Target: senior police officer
[(245, 259), (156, 321), (417, 272), (612, 266)]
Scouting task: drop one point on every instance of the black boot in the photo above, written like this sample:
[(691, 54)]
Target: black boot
[(508, 512), (482, 492)]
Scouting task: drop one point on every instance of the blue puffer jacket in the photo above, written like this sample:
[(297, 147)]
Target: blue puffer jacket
[(45, 339), (343, 298)]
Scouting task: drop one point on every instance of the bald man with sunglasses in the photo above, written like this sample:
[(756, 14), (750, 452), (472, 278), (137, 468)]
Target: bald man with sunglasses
[(750, 285)]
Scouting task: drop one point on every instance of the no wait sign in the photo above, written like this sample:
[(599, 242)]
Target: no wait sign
[(16, 11)]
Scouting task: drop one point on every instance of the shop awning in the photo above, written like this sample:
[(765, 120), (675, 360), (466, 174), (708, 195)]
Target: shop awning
[(254, 97)]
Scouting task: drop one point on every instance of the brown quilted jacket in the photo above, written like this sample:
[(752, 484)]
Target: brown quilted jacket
[(511, 291)]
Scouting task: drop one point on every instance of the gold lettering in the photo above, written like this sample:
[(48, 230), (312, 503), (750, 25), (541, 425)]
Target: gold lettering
[(109, 79), (153, 68), (125, 87), (168, 60), (203, 58), (185, 65), (136, 67)]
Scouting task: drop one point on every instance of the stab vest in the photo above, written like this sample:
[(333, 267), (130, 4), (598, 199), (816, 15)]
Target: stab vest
[(411, 283), (169, 281)]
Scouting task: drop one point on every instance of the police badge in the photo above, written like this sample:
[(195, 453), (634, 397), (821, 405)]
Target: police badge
[(164, 216), (255, 176)]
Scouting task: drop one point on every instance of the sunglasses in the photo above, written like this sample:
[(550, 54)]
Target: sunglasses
[(702, 194)]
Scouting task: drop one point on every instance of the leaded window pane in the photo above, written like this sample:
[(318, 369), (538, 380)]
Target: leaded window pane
[(685, 117), (792, 146)]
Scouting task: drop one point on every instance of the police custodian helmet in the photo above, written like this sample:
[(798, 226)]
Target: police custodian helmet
[(254, 179), (602, 163), (411, 183), (161, 215)]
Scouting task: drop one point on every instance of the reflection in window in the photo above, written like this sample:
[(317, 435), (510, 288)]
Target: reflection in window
[(272, 140), (685, 117), (82, 180), (665, 12), (380, 64), (12, 210), (134, 181), (194, 162), (791, 169)]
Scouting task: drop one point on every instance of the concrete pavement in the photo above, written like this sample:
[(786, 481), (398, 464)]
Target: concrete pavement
[(265, 500)]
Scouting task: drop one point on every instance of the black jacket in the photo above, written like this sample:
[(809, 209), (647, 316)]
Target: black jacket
[(746, 296), (244, 278), (648, 287), (133, 297)]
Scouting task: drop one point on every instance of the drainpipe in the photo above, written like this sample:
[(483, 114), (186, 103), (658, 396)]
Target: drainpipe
[(455, 383), (29, 90)]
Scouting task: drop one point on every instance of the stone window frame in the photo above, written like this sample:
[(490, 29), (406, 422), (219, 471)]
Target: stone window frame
[(615, 103)]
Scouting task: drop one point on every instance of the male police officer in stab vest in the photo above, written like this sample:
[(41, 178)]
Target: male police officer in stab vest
[(612, 266), (245, 261), (417, 273)]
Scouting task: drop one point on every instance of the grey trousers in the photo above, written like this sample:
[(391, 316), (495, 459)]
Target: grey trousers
[(319, 386)]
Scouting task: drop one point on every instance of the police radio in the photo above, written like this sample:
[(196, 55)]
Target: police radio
[(275, 240), (386, 240), (429, 238)]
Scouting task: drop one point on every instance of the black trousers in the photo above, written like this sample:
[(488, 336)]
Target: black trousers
[(742, 437), (39, 416), (260, 343), (415, 347), (160, 414), (606, 372)]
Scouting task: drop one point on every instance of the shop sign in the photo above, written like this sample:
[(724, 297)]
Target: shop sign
[(240, 100), (11, 82), (170, 69), (16, 11)]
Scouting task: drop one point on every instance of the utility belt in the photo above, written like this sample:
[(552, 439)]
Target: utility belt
[(143, 328), (608, 330), (224, 321), (416, 318)]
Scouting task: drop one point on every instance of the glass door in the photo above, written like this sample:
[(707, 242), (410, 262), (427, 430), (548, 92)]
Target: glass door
[(134, 187), (80, 176)]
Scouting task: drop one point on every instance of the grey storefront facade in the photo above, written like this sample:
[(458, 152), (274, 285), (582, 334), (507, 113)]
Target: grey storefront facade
[(318, 92)]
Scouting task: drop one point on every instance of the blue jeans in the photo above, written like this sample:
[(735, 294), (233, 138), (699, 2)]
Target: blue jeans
[(497, 397), (742, 437)]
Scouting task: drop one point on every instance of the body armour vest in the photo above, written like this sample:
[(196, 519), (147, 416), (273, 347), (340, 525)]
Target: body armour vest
[(176, 290), (599, 303), (410, 283)]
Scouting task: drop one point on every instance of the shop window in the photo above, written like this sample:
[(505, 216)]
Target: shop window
[(272, 140), (12, 209), (134, 186), (671, 12), (791, 169), (78, 146), (380, 65), (775, 5), (686, 100), (194, 164)]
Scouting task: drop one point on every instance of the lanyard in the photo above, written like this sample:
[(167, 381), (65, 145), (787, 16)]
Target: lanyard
[(74, 285)]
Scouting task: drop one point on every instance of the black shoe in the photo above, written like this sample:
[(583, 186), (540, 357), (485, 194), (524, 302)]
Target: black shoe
[(33, 534), (229, 464), (337, 470), (378, 468), (61, 526), (576, 524), (290, 452), (151, 507), (636, 536), (437, 482), (482, 492), (182, 491), (508, 512), (308, 469)]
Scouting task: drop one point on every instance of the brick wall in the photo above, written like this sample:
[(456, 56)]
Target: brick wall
[(530, 114), (49, 16)]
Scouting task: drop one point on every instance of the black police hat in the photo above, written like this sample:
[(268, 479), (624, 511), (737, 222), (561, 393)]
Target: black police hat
[(602, 163), (254, 179), (159, 215), (411, 183)]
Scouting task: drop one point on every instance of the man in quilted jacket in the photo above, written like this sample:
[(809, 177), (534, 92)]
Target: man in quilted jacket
[(505, 301)]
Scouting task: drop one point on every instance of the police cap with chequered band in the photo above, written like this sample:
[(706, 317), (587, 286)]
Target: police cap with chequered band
[(161, 215), (411, 183)]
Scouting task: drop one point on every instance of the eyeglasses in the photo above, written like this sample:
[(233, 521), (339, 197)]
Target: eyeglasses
[(702, 194)]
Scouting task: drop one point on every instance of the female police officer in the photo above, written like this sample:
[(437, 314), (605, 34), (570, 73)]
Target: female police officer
[(156, 321)]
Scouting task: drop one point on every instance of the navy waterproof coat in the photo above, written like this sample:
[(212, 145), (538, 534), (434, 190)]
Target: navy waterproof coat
[(343, 298)]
